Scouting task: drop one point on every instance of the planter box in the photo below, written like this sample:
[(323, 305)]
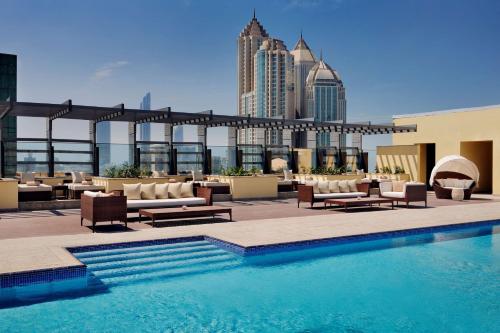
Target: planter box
[(252, 187), (301, 177), (8, 197), (400, 176), (112, 184)]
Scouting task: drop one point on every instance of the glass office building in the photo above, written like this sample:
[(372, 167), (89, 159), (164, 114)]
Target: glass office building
[(8, 92), (145, 134), (326, 101)]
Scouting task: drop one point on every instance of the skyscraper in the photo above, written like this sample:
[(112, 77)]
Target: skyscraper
[(178, 134), (325, 98), (8, 126), (145, 129), (303, 62), (273, 84)]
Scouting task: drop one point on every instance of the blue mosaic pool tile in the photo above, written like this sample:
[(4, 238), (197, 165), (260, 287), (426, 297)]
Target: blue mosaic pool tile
[(102, 247), (42, 276), (228, 246)]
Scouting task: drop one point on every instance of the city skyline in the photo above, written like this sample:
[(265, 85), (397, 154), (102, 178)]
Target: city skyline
[(386, 53)]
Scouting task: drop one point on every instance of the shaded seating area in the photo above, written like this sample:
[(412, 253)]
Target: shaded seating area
[(402, 191), (81, 184), (31, 190), (454, 177)]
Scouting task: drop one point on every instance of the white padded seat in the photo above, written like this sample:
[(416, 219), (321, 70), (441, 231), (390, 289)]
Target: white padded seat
[(395, 195), (339, 195), (38, 188), (165, 202), (81, 187), (285, 182)]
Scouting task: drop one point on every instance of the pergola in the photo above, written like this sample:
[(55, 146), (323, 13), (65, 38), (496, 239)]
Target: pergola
[(204, 120)]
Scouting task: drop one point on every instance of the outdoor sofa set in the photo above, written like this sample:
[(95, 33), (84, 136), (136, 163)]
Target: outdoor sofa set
[(104, 207)]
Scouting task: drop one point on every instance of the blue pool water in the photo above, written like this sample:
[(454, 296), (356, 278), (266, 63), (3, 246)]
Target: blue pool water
[(412, 284)]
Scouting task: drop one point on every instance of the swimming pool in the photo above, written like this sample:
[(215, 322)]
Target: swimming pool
[(374, 286)]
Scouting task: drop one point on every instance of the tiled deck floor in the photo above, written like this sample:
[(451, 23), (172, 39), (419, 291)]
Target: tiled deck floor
[(277, 222)]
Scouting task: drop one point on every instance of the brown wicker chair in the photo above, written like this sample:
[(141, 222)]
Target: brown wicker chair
[(445, 193), (103, 209)]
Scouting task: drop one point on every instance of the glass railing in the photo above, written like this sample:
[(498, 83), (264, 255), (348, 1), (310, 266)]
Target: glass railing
[(114, 154), (223, 157), (154, 156), (189, 156)]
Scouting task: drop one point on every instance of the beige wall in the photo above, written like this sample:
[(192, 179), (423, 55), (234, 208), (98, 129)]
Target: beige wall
[(448, 130), (8, 194), (406, 156)]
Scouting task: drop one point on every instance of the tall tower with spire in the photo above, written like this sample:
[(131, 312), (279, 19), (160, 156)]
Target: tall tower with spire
[(304, 60), (249, 41)]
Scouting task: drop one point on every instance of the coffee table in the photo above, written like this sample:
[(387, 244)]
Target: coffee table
[(176, 213), (356, 202)]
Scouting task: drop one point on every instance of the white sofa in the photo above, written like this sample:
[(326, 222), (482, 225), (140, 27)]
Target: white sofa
[(314, 191), (162, 203), (31, 190)]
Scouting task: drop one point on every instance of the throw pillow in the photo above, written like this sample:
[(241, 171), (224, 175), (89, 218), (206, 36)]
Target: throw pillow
[(27, 177), (76, 177), (174, 190), (187, 190), (323, 187), (344, 186), (132, 191), (398, 185), (314, 184), (353, 187), (161, 191), (440, 182), (334, 186), (148, 191), (172, 181), (32, 183), (156, 174), (87, 182)]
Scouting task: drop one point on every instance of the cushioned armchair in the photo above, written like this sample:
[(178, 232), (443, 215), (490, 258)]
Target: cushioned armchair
[(103, 209), (410, 192)]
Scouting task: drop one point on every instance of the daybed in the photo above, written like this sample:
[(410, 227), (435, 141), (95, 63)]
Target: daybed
[(453, 173), (31, 190), (404, 191), (317, 191), (215, 185)]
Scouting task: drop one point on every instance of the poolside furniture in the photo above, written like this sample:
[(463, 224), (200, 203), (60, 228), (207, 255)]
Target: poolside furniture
[(454, 172), (31, 190), (100, 207), (81, 184), (185, 212), (404, 191), (60, 188), (318, 191), (356, 202), (164, 195), (216, 186)]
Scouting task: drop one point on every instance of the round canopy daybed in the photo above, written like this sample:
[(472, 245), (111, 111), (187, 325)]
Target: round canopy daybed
[(451, 172)]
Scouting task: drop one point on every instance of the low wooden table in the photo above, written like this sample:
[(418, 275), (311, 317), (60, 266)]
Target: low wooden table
[(176, 213), (356, 202)]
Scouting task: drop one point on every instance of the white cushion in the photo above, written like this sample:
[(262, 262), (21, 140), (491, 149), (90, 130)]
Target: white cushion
[(27, 177), (174, 190), (197, 175), (285, 182), (148, 191), (396, 195), (352, 183), (80, 187), (340, 195), (165, 202), (39, 188), (323, 187), (76, 177), (333, 186), (468, 183), (385, 187), (187, 190), (161, 191), (344, 186), (132, 191), (214, 184)]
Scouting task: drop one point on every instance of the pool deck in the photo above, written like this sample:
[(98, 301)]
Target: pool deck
[(46, 252)]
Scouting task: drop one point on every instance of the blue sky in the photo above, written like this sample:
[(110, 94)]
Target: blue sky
[(394, 56)]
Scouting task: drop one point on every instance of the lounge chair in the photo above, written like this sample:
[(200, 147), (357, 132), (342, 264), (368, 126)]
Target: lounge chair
[(317, 191), (31, 190), (409, 192), (81, 184), (97, 207)]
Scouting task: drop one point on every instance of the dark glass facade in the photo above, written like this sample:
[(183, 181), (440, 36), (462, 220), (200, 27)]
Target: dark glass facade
[(8, 91)]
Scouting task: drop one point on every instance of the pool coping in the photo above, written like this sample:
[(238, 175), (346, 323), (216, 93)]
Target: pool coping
[(31, 277)]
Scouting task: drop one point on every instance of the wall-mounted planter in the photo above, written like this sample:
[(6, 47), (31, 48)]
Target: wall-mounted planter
[(251, 187)]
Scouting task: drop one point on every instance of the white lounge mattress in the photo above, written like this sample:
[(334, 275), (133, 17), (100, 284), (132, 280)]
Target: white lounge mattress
[(339, 195)]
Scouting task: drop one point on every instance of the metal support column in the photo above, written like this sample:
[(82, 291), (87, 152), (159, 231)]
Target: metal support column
[(232, 142), (50, 148), (172, 158), (132, 140), (202, 138)]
